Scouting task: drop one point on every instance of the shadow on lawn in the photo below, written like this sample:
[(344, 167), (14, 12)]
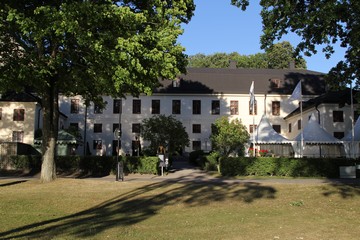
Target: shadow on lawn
[(140, 204)]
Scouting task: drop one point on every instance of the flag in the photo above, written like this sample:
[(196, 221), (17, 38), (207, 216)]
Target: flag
[(252, 96), (297, 93)]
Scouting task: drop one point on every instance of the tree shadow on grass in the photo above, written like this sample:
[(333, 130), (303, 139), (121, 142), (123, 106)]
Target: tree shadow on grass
[(141, 204), (344, 188)]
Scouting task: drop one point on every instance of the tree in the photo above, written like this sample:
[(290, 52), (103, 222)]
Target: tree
[(164, 131), (228, 137), (281, 54), (278, 56), (318, 23), (91, 48)]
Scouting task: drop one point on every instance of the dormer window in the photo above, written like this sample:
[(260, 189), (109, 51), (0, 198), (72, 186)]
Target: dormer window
[(275, 82), (176, 83)]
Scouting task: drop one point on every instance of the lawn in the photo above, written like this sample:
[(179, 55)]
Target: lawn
[(96, 209)]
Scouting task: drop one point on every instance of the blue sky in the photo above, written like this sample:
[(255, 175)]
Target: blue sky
[(218, 26)]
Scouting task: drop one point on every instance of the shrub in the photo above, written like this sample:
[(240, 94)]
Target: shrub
[(194, 157), (269, 166), (22, 162)]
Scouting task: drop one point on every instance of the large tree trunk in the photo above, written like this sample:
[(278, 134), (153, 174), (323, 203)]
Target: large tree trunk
[(50, 109)]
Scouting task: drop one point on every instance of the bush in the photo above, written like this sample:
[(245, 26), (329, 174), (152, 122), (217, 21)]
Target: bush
[(194, 157), (21, 162), (306, 167)]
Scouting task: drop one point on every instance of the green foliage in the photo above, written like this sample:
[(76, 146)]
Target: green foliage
[(88, 48), (306, 167), (164, 131), (25, 162), (277, 57), (318, 24), (194, 156), (229, 137)]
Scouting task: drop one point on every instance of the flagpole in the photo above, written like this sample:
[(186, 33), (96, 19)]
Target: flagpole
[(302, 126), (253, 112), (352, 123)]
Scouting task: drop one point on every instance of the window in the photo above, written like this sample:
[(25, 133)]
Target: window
[(97, 127), (136, 127), (277, 128), (338, 116), (299, 124), (97, 144), (276, 108), (176, 107), (196, 145), (215, 107), (155, 107), (18, 136), (234, 107), (75, 106), (275, 83), (290, 128), (196, 128), (251, 107), (136, 106), (117, 106), (196, 107), (116, 126), (19, 115), (0, 113), (74, 126), (97, 109), (339, 135), (251, 128)]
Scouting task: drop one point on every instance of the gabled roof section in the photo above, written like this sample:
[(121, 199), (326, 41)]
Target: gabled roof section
[(342, 97), (238, 81), (19, 97), (265, 133)]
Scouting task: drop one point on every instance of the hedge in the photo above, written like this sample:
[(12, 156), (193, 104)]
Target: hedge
[(88, 165), (291, 167)]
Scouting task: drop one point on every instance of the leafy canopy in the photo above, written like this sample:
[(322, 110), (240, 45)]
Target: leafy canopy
[(166, 131), (278, 56), (91, 48), (320, 22), (228, 136)]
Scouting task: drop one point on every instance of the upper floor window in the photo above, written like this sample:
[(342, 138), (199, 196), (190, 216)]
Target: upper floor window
[(234, 107), (299, 124), (251, 108), (252, 127), (215, 107), (276, 108), (75, 106), (277, 128), (136, 106), (155, 106), (97, 127), (98, 109), (136, 127), (116, 126), (176, 107), (290, 128), (338, 116), (0, 113), (18, 136), (19, 115), (196, 128), (196, 106), (117, 106)]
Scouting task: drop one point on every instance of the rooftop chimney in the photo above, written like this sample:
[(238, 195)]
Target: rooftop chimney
[(232, 64), (292, 64)]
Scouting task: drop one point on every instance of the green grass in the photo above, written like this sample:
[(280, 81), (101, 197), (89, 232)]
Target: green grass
[(95, 209)]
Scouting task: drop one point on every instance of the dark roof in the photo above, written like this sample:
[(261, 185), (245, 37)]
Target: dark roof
[(238, 81), (19, 97), (341, 97)]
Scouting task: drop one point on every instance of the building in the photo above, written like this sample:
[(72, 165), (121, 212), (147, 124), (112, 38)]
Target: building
[(197, 99)]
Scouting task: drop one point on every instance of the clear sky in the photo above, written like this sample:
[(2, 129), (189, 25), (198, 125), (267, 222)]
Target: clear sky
[(217, 26)]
